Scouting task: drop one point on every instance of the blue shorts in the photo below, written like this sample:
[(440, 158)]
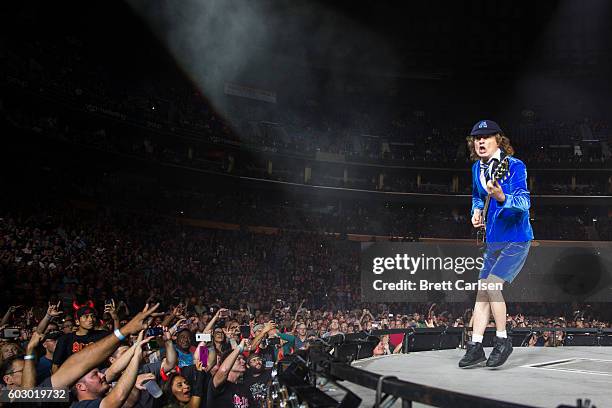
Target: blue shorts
[(504, 259)]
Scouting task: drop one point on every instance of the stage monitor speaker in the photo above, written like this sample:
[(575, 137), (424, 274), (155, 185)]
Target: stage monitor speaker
[(355, 350)]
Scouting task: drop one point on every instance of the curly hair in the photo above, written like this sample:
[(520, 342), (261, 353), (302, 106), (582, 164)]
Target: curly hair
[(502, 141)]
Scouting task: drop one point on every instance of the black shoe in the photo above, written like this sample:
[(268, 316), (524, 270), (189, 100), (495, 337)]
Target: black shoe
[(500, 353), (474, 355)]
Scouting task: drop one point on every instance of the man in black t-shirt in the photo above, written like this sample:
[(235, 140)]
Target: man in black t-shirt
[(226, 389), (71, 343), (256, 379)]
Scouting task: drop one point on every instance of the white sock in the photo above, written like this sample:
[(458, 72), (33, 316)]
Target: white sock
[(502, 334), (477, 338)]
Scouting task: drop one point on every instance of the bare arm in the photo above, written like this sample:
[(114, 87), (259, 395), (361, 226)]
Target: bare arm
[(112, 311), (213, 320), (52, 311), (8, 315), (223, 371), (119, 365), (122, 390), (257, 340), (176, 312), (28, 378), (297, 312), (171, 356)]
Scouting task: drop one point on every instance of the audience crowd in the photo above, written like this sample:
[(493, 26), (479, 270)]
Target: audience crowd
[(113, 306)]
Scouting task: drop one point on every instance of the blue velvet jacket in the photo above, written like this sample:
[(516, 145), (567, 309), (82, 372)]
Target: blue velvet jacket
[(507, 221)]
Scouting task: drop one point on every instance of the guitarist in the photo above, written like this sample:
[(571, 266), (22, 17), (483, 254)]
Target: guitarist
[(508, 234)]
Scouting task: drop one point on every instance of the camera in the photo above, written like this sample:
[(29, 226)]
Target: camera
[(154, 331), (274, 341), (10, 333), (152, 345), (203, 337)]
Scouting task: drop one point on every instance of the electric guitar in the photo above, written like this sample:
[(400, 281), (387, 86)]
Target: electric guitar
[(500, 172)]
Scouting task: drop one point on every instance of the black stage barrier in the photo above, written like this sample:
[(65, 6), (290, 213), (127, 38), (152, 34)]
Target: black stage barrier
[(411, 392), (358, 345)]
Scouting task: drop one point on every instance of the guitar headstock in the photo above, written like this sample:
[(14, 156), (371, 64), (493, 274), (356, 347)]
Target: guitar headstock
[(501, 171)]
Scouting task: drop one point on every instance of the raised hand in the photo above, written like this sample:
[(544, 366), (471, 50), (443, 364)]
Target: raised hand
[(142, 378), (179, 310), (34, 342), (53, 309), (269, 326), (139, 344), (12, 309), (199, 365), (140, 321), (244, 344), (176, 326), (111, 310)]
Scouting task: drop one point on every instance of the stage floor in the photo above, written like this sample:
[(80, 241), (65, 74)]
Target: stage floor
[(538, 376)]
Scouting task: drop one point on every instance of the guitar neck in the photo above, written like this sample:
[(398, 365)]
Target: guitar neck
[(485, 210)]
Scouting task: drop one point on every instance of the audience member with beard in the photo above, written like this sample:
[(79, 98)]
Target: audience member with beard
[(256, 378)]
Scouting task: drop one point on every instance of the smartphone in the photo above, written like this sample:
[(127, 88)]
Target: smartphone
[(152, 345), (108, 302), (269, 364), (245, 331), (203, 337), (203, 355), (10, 333), (154, 331)]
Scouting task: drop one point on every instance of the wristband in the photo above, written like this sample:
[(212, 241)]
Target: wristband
[(120, 336), (29, 357)]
